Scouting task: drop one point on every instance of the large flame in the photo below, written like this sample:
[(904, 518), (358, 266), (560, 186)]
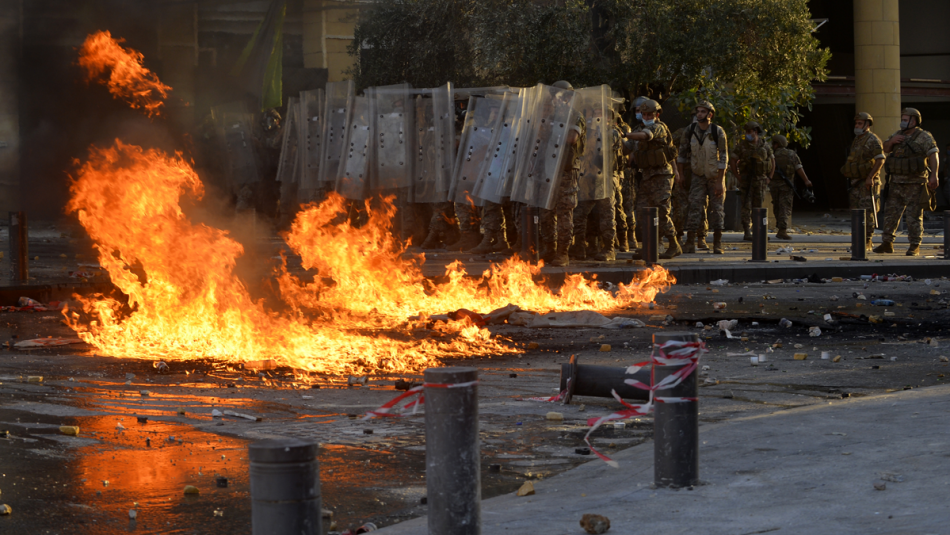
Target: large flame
[(185, 300), (127, 78)]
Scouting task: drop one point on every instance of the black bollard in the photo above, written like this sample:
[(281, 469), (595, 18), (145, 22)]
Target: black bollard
[(599, 381), (675, 426), (453, 477), (529, 234), (285, 488), (760, 234), (19, 247), (859, 233), (651, 239), (946, 235)]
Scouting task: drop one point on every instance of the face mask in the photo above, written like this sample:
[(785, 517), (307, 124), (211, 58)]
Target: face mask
[(650, 122), (858, 131), (639, 116), (904, 125), (749, 137)]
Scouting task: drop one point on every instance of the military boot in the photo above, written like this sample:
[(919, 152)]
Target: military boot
[(689, 246), (913, 250), (673, 250), (560, 257), (608, 254), (486, 245), (701, 242), (869, 245), (469, 239), (717, 242), (501, 244), (885, 247), (578, 251), (432, 241), (782, 234), (622, 243), (632, 239), (747, 235)]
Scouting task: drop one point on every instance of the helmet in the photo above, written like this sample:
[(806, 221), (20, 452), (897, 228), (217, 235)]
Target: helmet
[(650, 106), (564, 84), (637, 101), (913, 112), (705, 104), (866, 117), (780, 140), (752, 125)]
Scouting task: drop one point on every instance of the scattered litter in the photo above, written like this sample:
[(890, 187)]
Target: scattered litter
[(144, 393), (825, 355), (934, 292), (880, 486), (215, 413), (595, 524), (814, 332), (555, 416), (784, 322), (39, 343), (605, 348), (245, 416), (828, 318), (728, 325), (785, 250), (883, 302), (191, 489), (161, 366), (582, 451), (720, 282), (761, 358), (799, 258), (219, 512), (754, 360), (893, 477), (69, 430), (527, 489), (837, 279), (932, 342), (875, 319), (861, 297), (5, 509), (34, 379), (120, 427), (801, 356), (944, 359), (719, 305), (133, 514), (836, 359), (834, 298), (699, 325), (626, 323), (357, 381)]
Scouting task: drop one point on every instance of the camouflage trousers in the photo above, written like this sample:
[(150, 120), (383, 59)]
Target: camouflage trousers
[(628, 193), (680, 204), (620, 217), (751, 195), (468, 217), (903, 197), (655, 191), (604, 220), (701, 195), (859, 198), (493, 217), (782, 198), (443, 216), (557, 225)]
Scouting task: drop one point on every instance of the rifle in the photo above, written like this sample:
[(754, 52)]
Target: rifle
[(789, 182)]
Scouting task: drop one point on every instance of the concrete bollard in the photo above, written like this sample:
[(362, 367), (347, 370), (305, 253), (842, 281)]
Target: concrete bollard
[(859, 233), (529, 234), (598, 381), (651, 239), (285, 488), (675, 426), (19, 246), (453, 476), (760, 234), (946, 235)]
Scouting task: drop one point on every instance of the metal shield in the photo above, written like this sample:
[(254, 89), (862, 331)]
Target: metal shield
[(353, 177), (339, 101), (393, 119), (500, 160), (310, 144), (484, 114), (596, 177)]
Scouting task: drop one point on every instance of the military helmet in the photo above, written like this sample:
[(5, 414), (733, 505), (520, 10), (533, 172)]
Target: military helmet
[(564, 84), (866, 117), (780, 140), (637, 101), (752, 125), (650, 106), (705, 104), (912, 112)]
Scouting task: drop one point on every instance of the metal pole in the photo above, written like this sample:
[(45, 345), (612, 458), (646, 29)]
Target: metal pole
[(651, 237), (453, 477), (946, 235), (529, 234), (760, 234), (675, 426), (859, 233), (285, 488), (599, 381), (19, 246)]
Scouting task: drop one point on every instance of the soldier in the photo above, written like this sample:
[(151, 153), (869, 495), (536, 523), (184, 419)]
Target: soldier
[(787, 165), (681, 204), (753, 167), (704, 148), (862, 170), (912, 166), (557, 225), (653, 155), (603, 211), (495, 238), (630, 180)]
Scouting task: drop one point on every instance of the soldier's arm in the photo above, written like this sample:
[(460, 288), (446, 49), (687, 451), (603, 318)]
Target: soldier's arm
[(934, 167), (891, 141), (642, 135), (800, 171)]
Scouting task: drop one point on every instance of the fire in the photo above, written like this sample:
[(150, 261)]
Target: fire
[(128, 78)]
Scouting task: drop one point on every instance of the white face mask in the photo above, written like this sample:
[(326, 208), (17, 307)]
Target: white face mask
[(639, 116), (904, 125), (750, 137), (650, 122), (858, 131)]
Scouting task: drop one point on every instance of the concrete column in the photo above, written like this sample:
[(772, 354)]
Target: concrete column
[(877, 63), (9, 107)]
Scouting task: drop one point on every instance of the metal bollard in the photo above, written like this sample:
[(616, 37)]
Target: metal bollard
[(946, 235), (599, 381), (651, 239), (675, 426), (529, 234), (760, 234), (285, 488), (453, 477), (19, 246), (859, 233)]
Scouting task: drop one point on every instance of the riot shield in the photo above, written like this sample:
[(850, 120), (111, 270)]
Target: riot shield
[(287, 165), (552, 115), (500, 159), (353, 177), (443, 106), (336, 115), (484, 114), (310, 142), (425, 170), (392, 116), (239, 143), (596, 177)]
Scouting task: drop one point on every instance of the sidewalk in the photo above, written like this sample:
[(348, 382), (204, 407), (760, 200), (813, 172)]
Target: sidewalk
[(808, 470)]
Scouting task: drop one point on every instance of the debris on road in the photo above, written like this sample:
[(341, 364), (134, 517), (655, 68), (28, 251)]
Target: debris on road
[(595, 524), (40, 343), (245, 416), (5, 509), (556, 416), (69, 430), (191, 489), (526, 490), (880, 486), (784, 322), (814, 332), (800, 356)]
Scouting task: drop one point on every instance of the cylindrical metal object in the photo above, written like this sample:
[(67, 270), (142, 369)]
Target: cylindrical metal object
[(529, 234), (599, 381), (859, 233), (19, 246), (651, 239), (453, 477), (760, 234), (946, 235), (285, 488), (675, 425)]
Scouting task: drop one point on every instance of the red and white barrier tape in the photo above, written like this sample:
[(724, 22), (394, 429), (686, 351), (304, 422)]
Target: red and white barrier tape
[(556, 397), (385, 410)]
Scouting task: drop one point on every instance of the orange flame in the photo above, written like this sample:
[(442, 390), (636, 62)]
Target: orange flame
[(128, 78)]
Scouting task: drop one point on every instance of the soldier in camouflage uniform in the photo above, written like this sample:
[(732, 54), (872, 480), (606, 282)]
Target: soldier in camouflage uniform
[(494, 238), (912, 166), (681, 202), (556, 226), (620, 165), (862, 171), (443, 228), (653, 155), (703, 153), (753, 166), (782, 187), (630, 179)]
